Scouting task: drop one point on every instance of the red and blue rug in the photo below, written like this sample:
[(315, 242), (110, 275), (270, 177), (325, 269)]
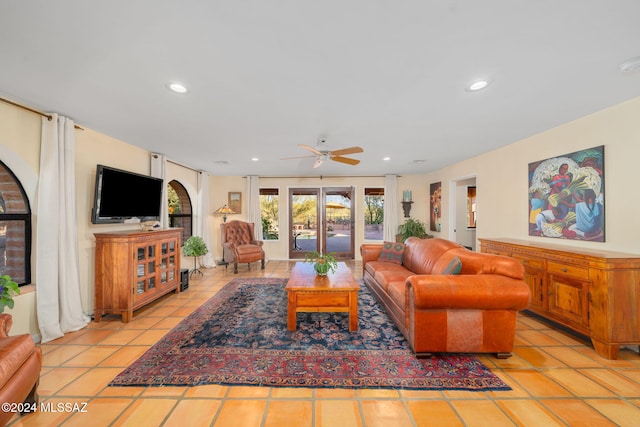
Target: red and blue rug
[(240, 337)]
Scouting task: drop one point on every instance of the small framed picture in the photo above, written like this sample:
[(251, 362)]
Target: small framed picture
[(235, 201)]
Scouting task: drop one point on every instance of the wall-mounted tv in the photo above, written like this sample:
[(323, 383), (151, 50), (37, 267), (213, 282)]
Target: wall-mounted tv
[(122, 195)]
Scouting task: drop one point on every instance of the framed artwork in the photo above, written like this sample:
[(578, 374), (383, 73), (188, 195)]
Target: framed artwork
[(566, 196), (235, 201), (435, 196)]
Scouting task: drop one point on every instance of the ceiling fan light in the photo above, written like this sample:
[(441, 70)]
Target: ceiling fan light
[(477, 85), (630, 65), (177, 88)]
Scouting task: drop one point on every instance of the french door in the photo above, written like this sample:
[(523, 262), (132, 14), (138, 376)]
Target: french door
[(321, 219)]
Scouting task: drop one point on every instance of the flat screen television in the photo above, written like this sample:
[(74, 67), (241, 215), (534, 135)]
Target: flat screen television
[(122, 195)]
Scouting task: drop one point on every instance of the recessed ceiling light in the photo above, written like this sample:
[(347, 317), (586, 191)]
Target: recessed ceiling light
[(386, 159), (630, 65), (417, 161), (177, 88), (255, 159), (477, 85)]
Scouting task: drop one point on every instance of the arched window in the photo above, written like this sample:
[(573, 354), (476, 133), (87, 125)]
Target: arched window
[(180, 209), (15, 228)]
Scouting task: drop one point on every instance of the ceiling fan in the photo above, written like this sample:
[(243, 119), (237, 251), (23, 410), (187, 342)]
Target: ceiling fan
[(335, 155)]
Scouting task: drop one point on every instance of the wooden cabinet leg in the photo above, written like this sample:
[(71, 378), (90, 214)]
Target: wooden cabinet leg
[(126, 316), (608, 351), (291, 311)]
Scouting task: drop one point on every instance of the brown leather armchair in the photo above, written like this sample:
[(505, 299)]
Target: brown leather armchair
[(20, 363), (239, 245)]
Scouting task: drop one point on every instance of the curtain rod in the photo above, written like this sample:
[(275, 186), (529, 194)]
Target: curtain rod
[(48, 116), (325, 176), (182, 165)]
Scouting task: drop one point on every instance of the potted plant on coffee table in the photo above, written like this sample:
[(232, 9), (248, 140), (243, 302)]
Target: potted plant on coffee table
[(196, 247), (322, 263)]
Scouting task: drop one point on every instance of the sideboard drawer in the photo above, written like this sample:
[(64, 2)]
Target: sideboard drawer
[(569, 270), (530, 262)]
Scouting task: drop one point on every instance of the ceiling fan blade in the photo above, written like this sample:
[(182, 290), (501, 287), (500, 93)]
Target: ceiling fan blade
[(310, 148), (345, 160), (300, 157), (318, 162), (350, 150)]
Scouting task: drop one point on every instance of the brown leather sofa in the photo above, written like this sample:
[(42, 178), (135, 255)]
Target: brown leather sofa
[(20, 363), (240, 245), (471, 312)]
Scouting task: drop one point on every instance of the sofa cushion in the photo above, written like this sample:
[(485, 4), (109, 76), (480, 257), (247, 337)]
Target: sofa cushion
[(453, 267), (392, 252), (421, 255)]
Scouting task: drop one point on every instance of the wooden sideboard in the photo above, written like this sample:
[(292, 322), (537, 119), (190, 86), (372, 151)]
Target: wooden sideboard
[(134, 269), (596, 293)]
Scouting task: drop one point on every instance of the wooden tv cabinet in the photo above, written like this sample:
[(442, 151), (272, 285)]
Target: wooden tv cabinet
[(134, 269), (593, 292)]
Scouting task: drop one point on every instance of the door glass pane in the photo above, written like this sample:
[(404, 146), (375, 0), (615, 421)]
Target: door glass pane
[(140, 287), (304, 222), (165, 248), (337, 214), (140, 254), (151, 267), (151, 283), (152, 251), (172, 261), (140, 271), (163, 277), (171, 274)]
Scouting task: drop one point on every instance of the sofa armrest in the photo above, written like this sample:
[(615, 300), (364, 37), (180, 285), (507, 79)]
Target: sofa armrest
[(370, 252), (483, 291), (6, 321)]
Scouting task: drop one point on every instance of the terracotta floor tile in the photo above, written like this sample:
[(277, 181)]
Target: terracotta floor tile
[(164, 391), (241, 413), (378, 394), (92, 336), (576, 412), (209, 391), (100, 412), (146, 412), (343, 413), (617, 383), (433, 413), (93, 356), (61, 354), (291, 392), (121, 337), (528, 413), (58, 378), (289, 412), (538, 384), (622, 413), (90, 383), (480, 413), (571, 357), (538, 338), (124, 356), (383, 413), (334, 393), (578, 384), (149, 337), (193, 412), (538, 357)]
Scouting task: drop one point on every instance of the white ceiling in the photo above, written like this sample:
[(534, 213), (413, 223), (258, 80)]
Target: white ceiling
[(266, 75)]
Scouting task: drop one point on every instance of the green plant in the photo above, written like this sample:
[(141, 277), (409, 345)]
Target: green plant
[(8, 289), (412, 227), (322, 263), (194, 246)]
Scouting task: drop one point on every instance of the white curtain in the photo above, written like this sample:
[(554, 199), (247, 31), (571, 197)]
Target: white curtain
[(390, 208), (159, 170), (59, 304), (202, 218), (253, 205)]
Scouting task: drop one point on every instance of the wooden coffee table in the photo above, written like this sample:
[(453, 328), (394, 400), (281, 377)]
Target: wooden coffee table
[(308, 292)]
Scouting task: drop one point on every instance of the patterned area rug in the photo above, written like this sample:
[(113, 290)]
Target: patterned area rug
[(240, 337)]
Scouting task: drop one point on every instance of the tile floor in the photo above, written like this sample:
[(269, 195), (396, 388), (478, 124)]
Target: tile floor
[(557, 380)]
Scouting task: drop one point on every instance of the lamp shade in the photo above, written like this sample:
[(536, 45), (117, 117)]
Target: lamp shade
[(224, 210)]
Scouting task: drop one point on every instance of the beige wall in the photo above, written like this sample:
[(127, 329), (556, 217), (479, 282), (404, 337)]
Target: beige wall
[(501, 178)]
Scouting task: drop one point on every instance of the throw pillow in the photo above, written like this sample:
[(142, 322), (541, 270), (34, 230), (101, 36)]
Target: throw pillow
[(392, 252), (454, 266)]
